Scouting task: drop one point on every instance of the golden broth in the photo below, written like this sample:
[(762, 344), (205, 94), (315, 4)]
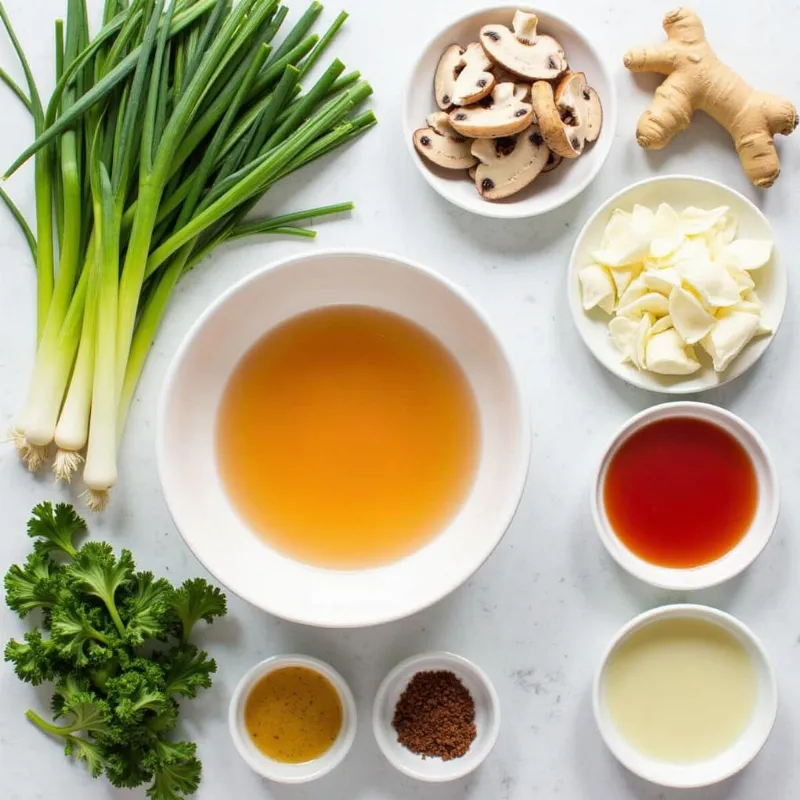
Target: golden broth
[(348, 437), (293, 714)]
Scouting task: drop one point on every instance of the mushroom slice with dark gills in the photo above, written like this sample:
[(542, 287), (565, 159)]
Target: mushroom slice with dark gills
[(510, 163), (474, 81), (569, 116), (524, 51), (553, 162), (502, 113), (442, 145), (447, 71)]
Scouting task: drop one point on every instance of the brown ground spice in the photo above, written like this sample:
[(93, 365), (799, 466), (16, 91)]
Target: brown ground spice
[(435, 716)]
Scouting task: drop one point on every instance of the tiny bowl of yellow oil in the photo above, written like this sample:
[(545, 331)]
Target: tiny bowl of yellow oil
[(685, 696), (292, 718)]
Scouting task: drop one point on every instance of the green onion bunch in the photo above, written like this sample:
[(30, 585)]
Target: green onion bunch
[(161, 135)]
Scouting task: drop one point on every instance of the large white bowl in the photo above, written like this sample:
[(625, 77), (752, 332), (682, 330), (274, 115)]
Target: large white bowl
[(730, 761), (187, 462), (549, 191), (679, 191)]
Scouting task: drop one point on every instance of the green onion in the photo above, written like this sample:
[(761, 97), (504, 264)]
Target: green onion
[(163, 131)]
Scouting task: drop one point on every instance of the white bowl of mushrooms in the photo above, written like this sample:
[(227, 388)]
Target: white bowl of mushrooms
[(510, 112)]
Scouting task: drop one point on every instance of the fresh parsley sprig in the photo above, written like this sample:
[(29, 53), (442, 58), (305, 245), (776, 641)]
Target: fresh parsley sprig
[(116, 644)]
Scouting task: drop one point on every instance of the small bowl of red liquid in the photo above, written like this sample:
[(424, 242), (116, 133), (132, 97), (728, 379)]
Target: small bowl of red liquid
[(686, 496)]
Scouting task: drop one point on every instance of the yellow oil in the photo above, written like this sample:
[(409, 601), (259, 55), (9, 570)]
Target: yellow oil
[(681, 690), (293, 714), (348, 437)]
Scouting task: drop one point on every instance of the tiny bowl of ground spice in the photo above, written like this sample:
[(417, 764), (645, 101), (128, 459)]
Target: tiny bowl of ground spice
[(436, 716)]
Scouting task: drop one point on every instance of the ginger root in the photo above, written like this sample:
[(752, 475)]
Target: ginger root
[(697, 79)]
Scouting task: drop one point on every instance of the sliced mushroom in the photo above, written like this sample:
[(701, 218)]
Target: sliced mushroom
[(524, 52), (510, 163), (474, 81), (442, 145), (450, 65), (553, 162), (570, 116), (502, 113)]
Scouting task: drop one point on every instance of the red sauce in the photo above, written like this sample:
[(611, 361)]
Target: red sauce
[(680, 492)]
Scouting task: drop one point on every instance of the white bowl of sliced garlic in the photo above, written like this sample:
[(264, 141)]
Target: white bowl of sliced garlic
[(675, 284)]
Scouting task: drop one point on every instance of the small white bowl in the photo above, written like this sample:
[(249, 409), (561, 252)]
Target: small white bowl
[(679, 191), (275, 770), (186, 439), (487, 717), (727, 763), (549, 191), (751, 544)]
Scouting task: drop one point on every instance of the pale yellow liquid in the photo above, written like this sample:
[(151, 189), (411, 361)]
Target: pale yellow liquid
[(680, 690)]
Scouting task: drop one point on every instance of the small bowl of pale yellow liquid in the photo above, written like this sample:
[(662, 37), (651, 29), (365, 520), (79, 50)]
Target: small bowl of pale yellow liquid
[(685, 696)]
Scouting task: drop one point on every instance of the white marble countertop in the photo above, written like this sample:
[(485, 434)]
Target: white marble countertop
[(539, 613)]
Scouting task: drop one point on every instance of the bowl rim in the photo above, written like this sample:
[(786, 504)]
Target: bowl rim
[(520, 470), (419, 661), (308, 770), (576, 308), (512, 210), (722, 569), (714, 616)]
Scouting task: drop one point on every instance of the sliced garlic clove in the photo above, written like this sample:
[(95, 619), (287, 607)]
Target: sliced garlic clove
[(667, 232), (622, 244), (666, 354), (622, 331), (639, 342), (661, 325), (725, 230), (748, 254), (711, 280), (636, 289), (691, 320), (729, 337), (661, 280), (698, 220), (624, 277), (742, 278), (651, 303), (642, 219), (597, 288)]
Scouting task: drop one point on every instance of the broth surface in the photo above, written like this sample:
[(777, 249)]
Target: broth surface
[(348, 437)]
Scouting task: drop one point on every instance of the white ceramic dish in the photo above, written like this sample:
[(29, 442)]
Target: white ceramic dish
[(549, 191), (679, 191), (186, 456), (487, 717), (275, 770), (751, 544), (727, 763)]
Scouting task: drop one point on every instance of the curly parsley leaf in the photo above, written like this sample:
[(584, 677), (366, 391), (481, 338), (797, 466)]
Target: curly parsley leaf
[(97, 572), (56, 527), (186, 669), (195, 600), (176, 770), (146, 609), (37, 584), (36, 658)]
